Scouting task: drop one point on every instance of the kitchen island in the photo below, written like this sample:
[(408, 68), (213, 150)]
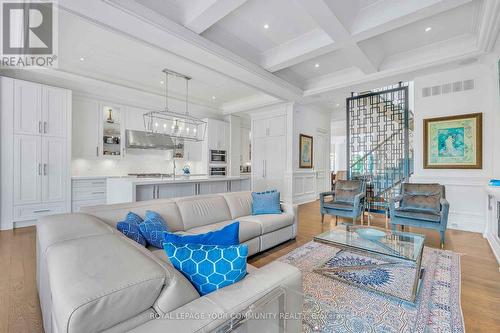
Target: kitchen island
[(131, 189)]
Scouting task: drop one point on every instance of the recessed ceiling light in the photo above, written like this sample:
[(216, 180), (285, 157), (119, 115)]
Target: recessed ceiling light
[(337, 105), (316, 65), (162, 82), (428, 29), (213, 97), (82, 58), (266, 26)]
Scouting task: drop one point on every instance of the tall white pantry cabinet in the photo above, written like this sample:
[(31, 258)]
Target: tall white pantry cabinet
[(35, 137)]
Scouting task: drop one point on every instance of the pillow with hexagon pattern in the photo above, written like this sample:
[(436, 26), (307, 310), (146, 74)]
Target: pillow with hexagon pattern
[(209, 267)]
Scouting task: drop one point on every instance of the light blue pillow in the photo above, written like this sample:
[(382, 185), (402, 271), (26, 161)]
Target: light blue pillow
[(130, 228), (153, 228), (266, 202), (209, 267), (229, 235)]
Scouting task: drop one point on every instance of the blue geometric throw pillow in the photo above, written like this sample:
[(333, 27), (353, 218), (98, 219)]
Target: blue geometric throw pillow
[(229, 235), (153, 228), (267, 202), (130, 228), (209, 267)]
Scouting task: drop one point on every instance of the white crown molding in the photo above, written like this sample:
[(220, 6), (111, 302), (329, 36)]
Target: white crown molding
[(138, 22)]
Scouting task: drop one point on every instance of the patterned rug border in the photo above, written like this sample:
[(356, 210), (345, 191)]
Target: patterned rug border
[(429, 310)]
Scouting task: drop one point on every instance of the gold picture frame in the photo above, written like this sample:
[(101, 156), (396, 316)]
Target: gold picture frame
[(454, 142), (306, 147)]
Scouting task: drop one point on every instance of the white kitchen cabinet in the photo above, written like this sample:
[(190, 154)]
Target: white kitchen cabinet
[(54, 169), (36, 131), (27, 169), (27, 107), (245, 146), (193, 150), (87, 192), (145, 192), (218, 134), (85, 129), (213, 187), (268, 153), (273, 126), (54, 111)]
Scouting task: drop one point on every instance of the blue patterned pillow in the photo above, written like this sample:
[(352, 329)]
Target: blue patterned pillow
[(130, 228), (229, 235), (209, 267), (266, 202), (153, 228)]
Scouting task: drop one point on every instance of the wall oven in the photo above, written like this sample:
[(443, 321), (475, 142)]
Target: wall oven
[(218, 156), (217, 171)]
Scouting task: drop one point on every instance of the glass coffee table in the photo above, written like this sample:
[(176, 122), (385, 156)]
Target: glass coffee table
[(387, 247)]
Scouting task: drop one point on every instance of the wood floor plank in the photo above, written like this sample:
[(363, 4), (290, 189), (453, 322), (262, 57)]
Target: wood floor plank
[(20, 309)]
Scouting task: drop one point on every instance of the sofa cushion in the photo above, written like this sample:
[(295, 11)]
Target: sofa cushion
[(227, 235), (269, 222), (418, 214), (92, 277), (266, 202), (339, 205), (130, 228), (239, 203), (422, 202), (111, 214), (248, 230), (153, 228), (203, 210), (209, 267)]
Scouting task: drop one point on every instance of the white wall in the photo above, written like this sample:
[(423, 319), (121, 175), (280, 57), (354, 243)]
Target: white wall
[(465, 188), (338, 131), (310, 121)]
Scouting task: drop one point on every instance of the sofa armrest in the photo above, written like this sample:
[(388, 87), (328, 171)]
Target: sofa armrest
[(392, 204), (292, 210), (445, 208), (213, 310)]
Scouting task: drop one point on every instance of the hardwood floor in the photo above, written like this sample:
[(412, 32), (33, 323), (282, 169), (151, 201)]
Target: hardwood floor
[(20, 309)]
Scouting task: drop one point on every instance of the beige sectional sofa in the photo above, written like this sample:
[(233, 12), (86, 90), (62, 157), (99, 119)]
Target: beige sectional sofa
[(91, 278)]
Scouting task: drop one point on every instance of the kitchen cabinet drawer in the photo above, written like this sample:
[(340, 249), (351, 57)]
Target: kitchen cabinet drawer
[(30, 212), (99, 182), (89, 193), (76, 205)]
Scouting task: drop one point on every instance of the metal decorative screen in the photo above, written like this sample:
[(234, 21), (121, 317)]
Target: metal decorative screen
[(378, 140)]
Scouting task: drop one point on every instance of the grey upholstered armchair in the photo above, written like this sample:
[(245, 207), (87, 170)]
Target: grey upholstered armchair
[(348, 200), (421, 206)]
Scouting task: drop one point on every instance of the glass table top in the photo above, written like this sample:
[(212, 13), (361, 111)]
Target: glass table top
[(398, 244)]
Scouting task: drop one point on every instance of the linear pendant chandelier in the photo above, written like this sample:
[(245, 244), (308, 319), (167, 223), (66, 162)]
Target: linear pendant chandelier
[(178, 125)]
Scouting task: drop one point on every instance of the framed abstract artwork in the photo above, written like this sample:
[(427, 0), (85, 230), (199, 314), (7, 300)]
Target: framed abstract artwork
[(305, 151), (454, 142)]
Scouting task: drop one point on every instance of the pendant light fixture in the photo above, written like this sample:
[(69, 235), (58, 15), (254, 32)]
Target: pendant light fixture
[(180, 126)]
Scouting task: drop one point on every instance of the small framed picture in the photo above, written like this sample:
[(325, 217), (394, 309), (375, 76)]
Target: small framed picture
[(454, 142), (305, 151)]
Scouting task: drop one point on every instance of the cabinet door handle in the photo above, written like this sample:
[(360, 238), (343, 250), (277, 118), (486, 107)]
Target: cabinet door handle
[(263, 169), (98, 192), (97, 151), (45, 169), (44, 127), (157, 191), (39, 127), (39, 169), (154, 191), (41, 211)]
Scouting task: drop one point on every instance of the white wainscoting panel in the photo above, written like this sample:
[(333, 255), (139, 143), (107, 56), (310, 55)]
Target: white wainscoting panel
[(304, 186)]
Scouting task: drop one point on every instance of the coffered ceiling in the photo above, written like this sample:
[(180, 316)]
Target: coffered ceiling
[(251, 53)]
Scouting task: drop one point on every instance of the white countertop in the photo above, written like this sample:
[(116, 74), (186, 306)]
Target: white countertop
[(89, 177), (177, 180)]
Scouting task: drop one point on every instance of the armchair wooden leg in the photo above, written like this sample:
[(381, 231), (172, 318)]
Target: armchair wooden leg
[(336, 220), (441, 238), (322, 218)]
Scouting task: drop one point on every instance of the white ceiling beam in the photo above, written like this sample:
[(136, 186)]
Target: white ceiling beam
[(329, 22), (211, 14), (151, 28), (302, 48)]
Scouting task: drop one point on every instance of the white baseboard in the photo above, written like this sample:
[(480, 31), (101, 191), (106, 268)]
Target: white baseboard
[(495, 246), (22, 224)]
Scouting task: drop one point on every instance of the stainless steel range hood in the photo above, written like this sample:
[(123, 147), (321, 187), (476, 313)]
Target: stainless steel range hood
[(147, 140)]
